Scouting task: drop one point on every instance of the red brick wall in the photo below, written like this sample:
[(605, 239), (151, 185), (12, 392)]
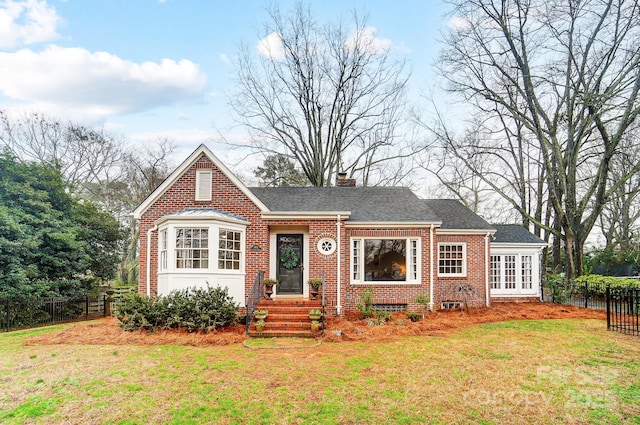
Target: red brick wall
[(227, 197), (447, 288), (406, 293)]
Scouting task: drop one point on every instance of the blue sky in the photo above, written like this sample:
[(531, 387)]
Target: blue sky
[(164, 68)]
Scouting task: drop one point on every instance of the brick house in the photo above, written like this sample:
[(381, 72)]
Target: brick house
[(203, 225)]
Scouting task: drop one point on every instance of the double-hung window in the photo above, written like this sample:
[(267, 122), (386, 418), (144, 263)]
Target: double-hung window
[(452, 259), (192, 248), (229, 250), (385, 260), (163, 249)]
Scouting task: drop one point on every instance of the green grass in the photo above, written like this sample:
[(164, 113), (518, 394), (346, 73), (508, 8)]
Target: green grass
[(554, 371)]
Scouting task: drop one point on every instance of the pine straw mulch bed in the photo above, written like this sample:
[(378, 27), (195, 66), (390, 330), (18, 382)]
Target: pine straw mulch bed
[(339, 329)]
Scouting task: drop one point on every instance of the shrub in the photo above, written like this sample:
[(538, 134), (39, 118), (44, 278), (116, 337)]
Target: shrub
[(597, 284), (137, 312), (414, 317), (365, 305), (195, 309)]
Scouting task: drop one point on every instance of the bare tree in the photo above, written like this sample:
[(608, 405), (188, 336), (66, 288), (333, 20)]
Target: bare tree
[(619, 217), (331, 97), (87, 157), (567, 75)]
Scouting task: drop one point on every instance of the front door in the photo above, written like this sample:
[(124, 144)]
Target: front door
[(290, 264)]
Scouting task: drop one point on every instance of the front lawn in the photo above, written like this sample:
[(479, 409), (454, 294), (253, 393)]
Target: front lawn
[(536, 371)]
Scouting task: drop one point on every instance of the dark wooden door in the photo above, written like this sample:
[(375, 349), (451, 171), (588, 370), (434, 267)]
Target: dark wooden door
[(290, 266)]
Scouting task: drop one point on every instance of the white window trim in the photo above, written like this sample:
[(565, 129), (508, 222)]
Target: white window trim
[(204, 178), (518, 290), (163, 244), (213, 226), (360, 280), (464, 259)]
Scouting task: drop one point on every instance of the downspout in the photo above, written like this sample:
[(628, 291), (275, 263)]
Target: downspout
[(152, 229), (487, 265), (431, 266), (338, 306)]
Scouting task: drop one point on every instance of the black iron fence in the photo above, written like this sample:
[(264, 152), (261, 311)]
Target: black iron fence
[(623, 310), (619, 297), (583, 294), (20, 314)]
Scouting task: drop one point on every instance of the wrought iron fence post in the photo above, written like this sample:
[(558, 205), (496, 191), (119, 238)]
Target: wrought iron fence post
[(86, 307), (608, 301), (586, 294)]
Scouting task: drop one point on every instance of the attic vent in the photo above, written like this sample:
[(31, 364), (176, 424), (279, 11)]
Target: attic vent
[(203, 185)]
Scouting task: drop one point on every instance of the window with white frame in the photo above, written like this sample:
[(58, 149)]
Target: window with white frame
[(527, 271), (163, 249), (229, 250), (203, 185), (512, 273), (385, 260), (496, 272), (192, 248), (452, 259)]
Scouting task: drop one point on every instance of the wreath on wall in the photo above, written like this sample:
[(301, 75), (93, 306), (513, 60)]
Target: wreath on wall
[(289, 258)]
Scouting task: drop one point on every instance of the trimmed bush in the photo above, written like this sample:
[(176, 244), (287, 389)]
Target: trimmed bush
[(598, 284), (194, 309)]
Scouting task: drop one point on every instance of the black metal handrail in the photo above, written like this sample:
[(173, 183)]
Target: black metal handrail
[(253, 298)]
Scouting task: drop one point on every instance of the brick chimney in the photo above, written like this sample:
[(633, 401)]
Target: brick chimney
[(343, 181)]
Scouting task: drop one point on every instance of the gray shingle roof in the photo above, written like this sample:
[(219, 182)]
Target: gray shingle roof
[(378, 204), (514, 233), (456, 216)]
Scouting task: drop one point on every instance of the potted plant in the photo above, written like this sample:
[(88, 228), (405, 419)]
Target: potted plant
[(314, 286), (315, 326), (260, 314), (315, 314), (269, 283), (260, 325)]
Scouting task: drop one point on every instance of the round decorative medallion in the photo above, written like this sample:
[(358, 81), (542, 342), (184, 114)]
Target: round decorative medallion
[(327, 246)]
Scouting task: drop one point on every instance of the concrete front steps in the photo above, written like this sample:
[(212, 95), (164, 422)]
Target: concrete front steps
[(288, 317)]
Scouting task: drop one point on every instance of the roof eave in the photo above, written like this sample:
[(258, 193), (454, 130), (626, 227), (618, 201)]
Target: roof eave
[(392, 224), (305, 215), (181, 218), (483, 232)]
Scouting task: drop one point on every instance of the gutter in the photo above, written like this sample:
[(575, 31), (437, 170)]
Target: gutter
[(431, 266), (152, 229), (339, 306), (487, 265)]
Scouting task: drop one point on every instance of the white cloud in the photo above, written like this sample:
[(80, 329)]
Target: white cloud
[(27, 22), (271, 46), (458, 23), (99, 84), (365, 38), (224, 58)]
